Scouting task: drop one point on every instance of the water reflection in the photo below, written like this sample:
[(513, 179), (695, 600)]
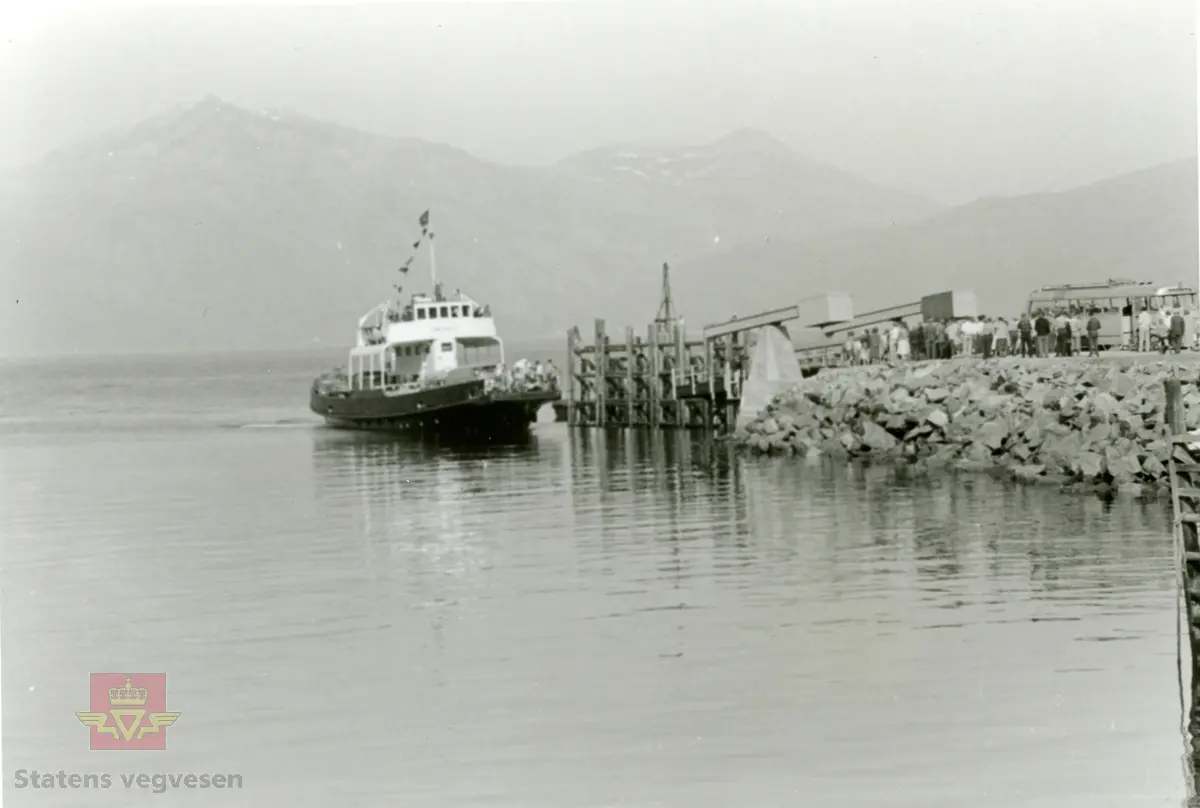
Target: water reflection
[(431, 504), (797, 604)]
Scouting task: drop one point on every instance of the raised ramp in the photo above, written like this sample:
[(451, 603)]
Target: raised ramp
[(773, 370), (736, 325)]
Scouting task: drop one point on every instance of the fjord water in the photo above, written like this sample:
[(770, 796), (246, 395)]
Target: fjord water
[(577, 620)]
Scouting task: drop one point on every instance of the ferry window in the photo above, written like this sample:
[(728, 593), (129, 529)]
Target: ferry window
[(445, 313), (466, 311), (454, 311), (421, 314), (447, 347)]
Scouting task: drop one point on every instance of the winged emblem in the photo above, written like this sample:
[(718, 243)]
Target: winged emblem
[(131, 732), (157, 722), (99, 721)]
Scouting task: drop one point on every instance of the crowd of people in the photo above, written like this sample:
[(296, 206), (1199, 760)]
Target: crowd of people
[(1066, 331), (524, 376)]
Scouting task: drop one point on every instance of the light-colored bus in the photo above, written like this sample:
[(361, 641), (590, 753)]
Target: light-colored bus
[(1116, 303)]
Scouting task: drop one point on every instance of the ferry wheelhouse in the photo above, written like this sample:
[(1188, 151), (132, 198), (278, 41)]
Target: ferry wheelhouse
[(425, 341)]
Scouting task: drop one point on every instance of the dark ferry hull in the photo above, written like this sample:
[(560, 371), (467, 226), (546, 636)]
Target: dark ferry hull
[(462, 408)]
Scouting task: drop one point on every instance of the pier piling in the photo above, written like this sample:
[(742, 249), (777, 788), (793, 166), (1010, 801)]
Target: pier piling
[(664, 381)]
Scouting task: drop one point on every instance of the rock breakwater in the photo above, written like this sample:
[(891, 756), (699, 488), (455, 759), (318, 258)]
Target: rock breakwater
[(1094, 425)]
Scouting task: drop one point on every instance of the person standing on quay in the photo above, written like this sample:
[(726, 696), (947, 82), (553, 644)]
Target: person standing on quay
[(903, 343), (1093, 334), (937, 337), (916, 338), (1144, 321), (1025, 334), (850, 350), (1000, 329), (1175, 331), (1076, 324), (987, 336), (1162, 328), (1041, 327), (1062, 334), (952, 335)]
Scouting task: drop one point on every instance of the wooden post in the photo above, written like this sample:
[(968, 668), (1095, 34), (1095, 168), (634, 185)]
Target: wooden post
[(708, 370), (1184, 467), (572, 369), (680, 374), (601, 375), (630, 386), (654, 383)]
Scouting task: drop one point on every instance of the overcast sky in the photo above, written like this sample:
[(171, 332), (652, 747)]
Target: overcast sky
[(952, 98)]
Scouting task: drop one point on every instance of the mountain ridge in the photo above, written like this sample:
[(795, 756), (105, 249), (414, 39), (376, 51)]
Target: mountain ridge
[(220, 226), (1140, 225)]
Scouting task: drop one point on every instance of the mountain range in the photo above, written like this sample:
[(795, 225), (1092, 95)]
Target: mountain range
[(217, 227)]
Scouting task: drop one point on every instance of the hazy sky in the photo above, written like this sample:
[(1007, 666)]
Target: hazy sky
[(953, 98)]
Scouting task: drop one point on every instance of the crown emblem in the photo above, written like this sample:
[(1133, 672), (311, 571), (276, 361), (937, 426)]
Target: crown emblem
[(128, 695)]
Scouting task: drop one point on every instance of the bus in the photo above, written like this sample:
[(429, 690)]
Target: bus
[(1116, 303)]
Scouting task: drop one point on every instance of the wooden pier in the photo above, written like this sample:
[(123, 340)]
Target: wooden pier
[(663, 380)]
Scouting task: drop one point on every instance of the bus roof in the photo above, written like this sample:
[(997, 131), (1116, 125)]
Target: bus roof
[(1148, 289)]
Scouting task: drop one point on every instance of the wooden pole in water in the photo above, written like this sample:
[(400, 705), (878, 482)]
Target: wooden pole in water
[(572, 364), (682, 369), (601, 374), (630, 389), (654, 383), (1184, 467), (709, 408)]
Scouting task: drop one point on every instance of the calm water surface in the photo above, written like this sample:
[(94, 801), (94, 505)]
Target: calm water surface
[(582, 620)]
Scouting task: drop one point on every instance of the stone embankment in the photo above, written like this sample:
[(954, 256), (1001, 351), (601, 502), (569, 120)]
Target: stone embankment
[(1087, 424)]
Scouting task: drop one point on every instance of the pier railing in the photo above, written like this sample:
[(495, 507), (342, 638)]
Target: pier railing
[(722, 381)]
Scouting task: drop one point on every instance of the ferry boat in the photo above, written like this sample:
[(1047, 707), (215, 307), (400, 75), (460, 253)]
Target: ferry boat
[(435, 364)]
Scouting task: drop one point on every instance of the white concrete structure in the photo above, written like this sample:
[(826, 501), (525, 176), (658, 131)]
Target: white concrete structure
[(773, 370)]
